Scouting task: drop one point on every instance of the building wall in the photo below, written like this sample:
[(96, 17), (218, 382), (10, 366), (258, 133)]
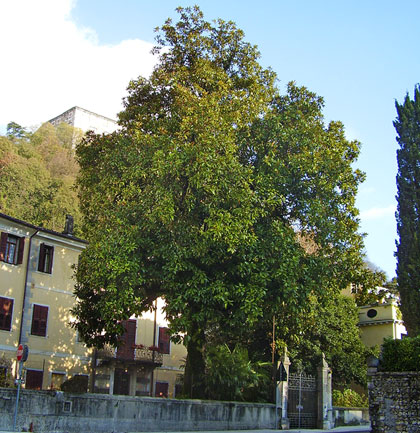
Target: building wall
[(173, 362), (86, 121), (380, 321), (12, 282), (58, 353)]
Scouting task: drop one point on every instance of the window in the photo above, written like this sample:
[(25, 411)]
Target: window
[(6, 312), (164, 342), (33, 379), (11, 249), (56, 380), (39, 320), (372, 313), (46, 254), (162, 389)]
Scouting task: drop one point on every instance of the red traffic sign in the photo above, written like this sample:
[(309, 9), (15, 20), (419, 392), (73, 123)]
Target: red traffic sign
[(20, 352)]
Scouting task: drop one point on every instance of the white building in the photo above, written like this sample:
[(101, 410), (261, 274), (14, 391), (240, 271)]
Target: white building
[(86, 121)]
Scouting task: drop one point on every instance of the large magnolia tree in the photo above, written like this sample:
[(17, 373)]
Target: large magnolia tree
[(231, 202)]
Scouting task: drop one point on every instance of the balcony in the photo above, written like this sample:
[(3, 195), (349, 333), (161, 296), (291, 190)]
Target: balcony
[(134, 354)]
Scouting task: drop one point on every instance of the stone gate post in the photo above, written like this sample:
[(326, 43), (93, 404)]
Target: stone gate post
[(325, 420), (282, 392)]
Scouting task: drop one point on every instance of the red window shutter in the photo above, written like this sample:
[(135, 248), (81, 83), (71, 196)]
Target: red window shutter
[(6, 312), (3, 242), (39, 320), (164, 340), (128, 340), (21, 248), (51, 260), (41, 260)]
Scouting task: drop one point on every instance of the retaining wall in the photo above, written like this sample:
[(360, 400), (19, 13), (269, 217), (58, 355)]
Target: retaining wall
[(52, 411), (394, 402), (344, 416)]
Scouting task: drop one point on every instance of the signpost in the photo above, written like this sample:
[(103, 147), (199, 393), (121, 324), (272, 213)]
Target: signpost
[(21, 355)]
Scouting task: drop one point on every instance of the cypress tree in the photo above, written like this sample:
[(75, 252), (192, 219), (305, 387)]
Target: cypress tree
[(407, 126)]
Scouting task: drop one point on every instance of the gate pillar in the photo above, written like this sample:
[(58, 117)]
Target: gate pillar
[(282, 393), (325, 420)]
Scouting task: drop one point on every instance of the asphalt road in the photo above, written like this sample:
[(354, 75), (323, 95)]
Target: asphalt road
[(355, 429), (349, 429)]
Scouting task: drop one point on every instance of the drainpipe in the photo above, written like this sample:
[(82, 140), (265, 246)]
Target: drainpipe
[(25, 290)]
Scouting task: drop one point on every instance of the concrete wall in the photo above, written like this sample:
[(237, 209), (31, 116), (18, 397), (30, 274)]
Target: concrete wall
[(51, 411), (344, 416), (394, 402)]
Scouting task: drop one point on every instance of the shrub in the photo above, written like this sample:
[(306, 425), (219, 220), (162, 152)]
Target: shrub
[(6, 378), (400, 355), (77, 383), (349, 398), (230, 375)]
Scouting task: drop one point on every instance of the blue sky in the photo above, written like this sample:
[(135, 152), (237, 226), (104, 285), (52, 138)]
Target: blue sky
[(359, 55)]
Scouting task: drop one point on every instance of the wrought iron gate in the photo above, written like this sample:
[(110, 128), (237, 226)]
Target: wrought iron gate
[(302, 401)]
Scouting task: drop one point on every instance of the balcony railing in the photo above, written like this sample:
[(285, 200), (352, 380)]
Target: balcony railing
[(149, 355)]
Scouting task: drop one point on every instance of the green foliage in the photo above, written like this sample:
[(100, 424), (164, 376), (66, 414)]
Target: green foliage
[(232, 202), (175, 204), (37, 177), (368, 285), (326, 324), (231, 376), (6, 376), (349, 398), (407, 126), (76, 384), (16, 132), (400, 355)]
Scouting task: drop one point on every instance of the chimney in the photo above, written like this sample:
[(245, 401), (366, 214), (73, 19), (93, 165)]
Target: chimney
[(68, 227)]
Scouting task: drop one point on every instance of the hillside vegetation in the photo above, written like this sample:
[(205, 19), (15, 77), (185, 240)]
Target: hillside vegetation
[(37, 175)]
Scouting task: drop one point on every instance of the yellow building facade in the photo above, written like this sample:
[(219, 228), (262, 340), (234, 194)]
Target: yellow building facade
[(380, 321), (36, 296), (147, 363)]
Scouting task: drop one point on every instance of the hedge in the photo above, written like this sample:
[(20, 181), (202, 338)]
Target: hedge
[(400, 355)]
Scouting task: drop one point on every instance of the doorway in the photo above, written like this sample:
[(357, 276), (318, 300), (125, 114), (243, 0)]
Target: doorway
[(121, 382)]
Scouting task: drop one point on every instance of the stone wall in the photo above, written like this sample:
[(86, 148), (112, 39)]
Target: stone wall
[(51, 411), (394, 402)]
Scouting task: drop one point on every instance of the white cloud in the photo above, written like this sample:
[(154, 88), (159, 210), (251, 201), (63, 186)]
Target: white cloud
[(378, 212), (49, 64)]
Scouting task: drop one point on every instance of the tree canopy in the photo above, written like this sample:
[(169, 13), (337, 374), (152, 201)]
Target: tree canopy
[(230, 201), (407, 126)]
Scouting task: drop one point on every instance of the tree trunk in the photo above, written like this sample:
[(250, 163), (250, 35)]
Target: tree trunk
[(194, 385)]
